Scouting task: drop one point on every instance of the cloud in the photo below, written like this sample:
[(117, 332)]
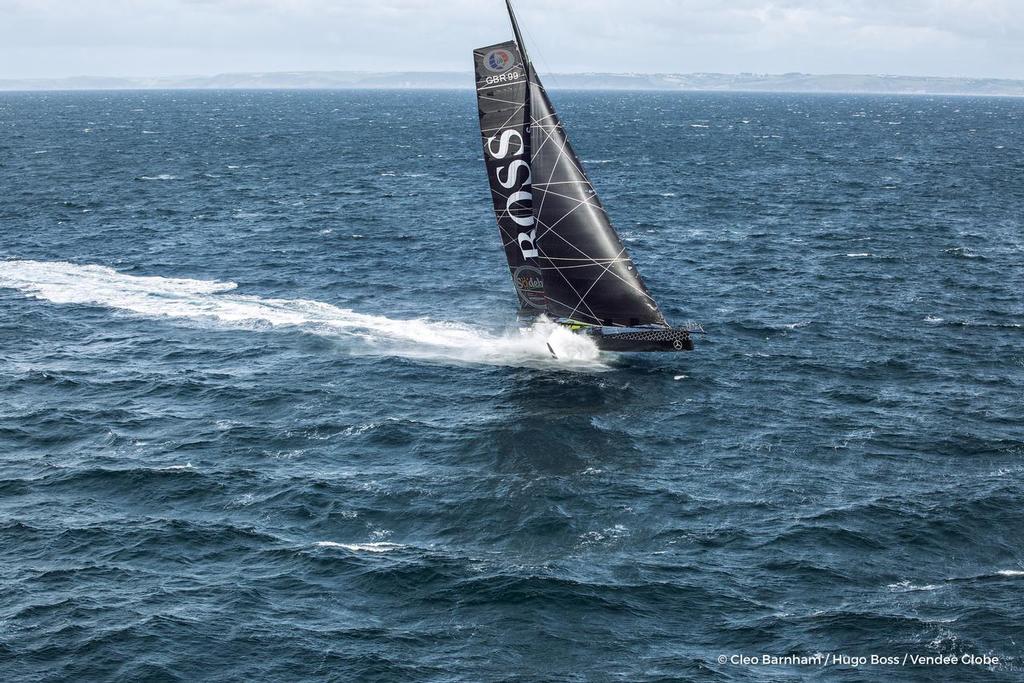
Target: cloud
[(154, 37)]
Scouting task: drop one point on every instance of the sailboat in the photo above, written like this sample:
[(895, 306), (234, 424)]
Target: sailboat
[(566, 260)]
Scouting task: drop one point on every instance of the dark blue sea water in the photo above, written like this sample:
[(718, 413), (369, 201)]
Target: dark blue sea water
[(265, 413)]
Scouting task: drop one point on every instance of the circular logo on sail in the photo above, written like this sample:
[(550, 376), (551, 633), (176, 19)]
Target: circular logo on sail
[(530, 285), (499, 60)]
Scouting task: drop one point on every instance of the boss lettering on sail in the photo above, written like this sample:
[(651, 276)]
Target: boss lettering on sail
[(516, 177)]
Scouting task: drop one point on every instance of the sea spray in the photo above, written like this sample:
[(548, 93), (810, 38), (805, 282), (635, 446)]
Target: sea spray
[(213, 302)]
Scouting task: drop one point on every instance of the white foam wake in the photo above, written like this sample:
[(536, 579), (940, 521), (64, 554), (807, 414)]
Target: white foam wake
[(215, 303)]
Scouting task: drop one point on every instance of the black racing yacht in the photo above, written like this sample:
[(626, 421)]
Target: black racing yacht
[(566, 260)]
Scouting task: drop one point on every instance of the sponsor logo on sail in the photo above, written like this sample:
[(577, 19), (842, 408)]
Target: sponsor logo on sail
[(531, 286), (499, 60)]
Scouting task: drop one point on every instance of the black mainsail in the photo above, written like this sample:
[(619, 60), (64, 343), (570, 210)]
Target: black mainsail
[(565, 257), (504, 103)]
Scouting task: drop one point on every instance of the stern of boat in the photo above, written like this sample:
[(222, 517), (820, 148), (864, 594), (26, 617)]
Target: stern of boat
[(642, 339)]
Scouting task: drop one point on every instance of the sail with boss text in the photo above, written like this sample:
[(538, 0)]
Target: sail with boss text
[(565, 258)]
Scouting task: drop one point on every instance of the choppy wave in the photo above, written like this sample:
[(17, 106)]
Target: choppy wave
[(908, 587), (201, 482), (378, 547), (215, 303)]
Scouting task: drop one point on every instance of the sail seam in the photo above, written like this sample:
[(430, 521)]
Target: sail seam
[(617, 259), (574, 291), (586, 201), (598, 279)]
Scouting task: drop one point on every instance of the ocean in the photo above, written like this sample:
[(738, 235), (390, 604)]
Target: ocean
[(266, 413)]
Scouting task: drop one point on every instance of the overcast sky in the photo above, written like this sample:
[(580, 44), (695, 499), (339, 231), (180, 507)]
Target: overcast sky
[(54, 38)]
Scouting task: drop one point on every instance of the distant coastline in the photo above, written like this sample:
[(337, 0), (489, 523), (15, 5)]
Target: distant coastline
[(340, 80)]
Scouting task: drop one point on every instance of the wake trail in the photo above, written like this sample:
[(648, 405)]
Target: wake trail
[(212, 302)]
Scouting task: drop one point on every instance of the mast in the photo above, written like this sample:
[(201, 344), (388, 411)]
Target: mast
[(519, 36)]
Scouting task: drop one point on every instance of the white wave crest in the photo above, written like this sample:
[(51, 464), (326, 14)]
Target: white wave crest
[(212, 302), (907, 587), (379, 547), (176, 468)]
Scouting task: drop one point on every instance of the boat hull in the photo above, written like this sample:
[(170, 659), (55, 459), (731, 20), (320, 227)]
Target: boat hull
[(638, 339)]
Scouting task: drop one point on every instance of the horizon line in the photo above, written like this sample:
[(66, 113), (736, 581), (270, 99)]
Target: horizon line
[(462, 72), (794, 82)]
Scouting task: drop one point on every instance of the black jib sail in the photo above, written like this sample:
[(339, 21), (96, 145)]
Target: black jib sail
[(504, 102), (586, 274)]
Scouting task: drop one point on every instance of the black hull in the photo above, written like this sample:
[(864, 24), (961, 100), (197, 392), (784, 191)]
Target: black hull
[(639, 339)]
